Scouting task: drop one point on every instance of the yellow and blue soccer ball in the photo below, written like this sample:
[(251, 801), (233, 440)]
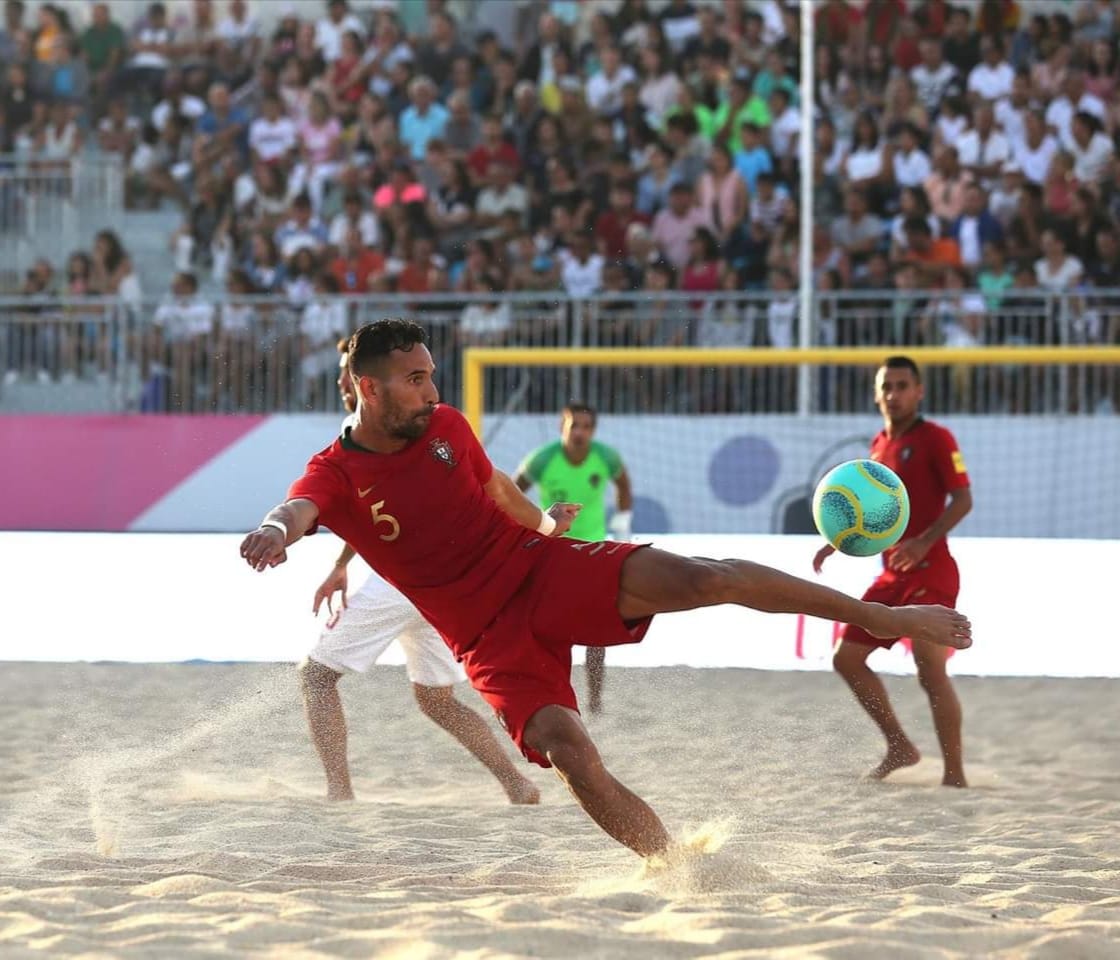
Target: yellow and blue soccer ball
[(861, 507)]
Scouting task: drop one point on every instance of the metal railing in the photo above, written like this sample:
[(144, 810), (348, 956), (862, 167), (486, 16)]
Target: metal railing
[(268, 354), (45, 203)]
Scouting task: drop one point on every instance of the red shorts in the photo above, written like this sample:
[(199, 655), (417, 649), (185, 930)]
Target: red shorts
[(935, 581), (522, 661)]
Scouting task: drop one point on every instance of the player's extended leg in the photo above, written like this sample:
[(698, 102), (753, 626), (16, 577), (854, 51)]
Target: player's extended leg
[(328, 725), (595, 664), (465, 725), (850, 661), (654, 581), (946, 709), (558, 733)]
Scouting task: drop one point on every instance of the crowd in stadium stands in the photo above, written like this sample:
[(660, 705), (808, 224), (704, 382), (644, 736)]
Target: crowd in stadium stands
[(965, 158)]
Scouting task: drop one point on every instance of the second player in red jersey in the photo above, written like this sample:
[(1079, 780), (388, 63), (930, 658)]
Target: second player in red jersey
[(919, 570)]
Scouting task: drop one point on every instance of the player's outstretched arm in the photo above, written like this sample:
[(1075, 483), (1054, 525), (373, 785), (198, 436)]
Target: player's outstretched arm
[(266, 546), (505, 493)]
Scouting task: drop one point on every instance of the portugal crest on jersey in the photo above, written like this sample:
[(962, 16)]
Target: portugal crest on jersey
[(441, 450)]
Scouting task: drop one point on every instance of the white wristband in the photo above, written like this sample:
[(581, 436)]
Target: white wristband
[(276, 525), (547, 524)]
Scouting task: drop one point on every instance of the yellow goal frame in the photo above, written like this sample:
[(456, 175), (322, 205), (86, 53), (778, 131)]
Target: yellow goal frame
[(477, 359)]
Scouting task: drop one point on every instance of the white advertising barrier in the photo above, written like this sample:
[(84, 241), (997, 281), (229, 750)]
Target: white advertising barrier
[(1039, 607)]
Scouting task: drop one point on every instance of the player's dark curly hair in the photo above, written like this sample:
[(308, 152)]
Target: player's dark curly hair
[(900, 362), (373, 342)]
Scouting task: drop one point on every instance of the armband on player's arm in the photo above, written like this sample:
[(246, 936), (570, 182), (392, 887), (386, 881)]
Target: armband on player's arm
[(293, 519)]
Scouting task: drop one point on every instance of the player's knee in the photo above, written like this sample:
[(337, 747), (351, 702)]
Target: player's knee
[(707, 581), (848, 659), (574, 756), (316, 678)]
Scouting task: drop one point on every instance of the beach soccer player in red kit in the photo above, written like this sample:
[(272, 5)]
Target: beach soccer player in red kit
[(919, 569), (411, 489)]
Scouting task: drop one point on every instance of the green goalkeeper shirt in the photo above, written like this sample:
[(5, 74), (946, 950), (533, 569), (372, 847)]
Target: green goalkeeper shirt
[(561, 481)]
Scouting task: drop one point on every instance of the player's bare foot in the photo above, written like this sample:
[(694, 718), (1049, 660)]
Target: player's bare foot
[(339, 794), (933, 623), (953, 780), (902, 755), (523, 792)]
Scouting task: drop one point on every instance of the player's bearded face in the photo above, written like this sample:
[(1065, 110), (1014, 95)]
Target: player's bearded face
[(406, 421)]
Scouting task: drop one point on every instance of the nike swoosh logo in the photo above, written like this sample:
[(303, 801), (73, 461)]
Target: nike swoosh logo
[(362, 493)]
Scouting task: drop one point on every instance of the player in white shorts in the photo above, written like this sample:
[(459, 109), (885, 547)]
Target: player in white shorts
[(355, 638)]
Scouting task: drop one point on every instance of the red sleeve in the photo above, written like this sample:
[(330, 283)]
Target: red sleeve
[(323, 485), (468, 442), (948, 462)]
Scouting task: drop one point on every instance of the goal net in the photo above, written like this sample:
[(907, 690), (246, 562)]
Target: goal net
[(734, 440)]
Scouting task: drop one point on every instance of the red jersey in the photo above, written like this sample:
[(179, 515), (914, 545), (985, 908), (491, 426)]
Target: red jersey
[(421, 518), (929, 462)]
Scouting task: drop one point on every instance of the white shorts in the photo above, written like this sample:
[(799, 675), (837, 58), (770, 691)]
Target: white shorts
[(374, 617)]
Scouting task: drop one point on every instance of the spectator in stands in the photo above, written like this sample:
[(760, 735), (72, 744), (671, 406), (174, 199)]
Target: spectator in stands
[(322, 322), (933, 75), (357, 266), (501, 196), (946, 186), (674, 226), (1037, 148), (975, 228), (722, 192), (991, 79), (858, 233), (1074, 98), (435, 55), (910, 163), (1057, 270), (264, 265), (604, 89), (330, 30), (16, 101), (612, 224), (12, 32), (425, 119), (488, 323), (928, 254), (302, 230), (581, 269), (183, 325), (867, 165), (222, 129), (320, 151), (752, 159), (239, 42), (113, 275), (1094, 154), (152, 47), (176, 101), (983, 150)]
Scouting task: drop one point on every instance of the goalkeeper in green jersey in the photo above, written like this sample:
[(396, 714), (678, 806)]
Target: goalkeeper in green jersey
[(578, 469)]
